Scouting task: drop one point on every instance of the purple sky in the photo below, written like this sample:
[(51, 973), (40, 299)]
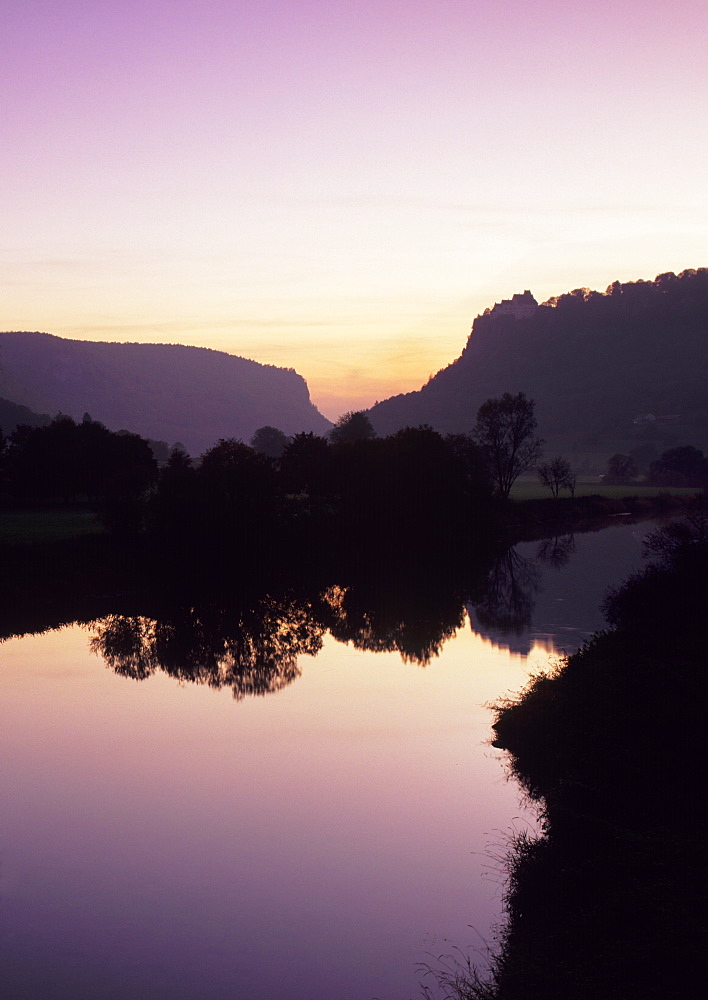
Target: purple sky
[(340, 187)]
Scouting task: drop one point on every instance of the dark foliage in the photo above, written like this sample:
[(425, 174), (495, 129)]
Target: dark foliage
[(173, 504), (594, 362), (235, 498), (367, 496), (269, 441), (684, 466), (505, 432), (412, 488), (65, 461), (609, 901), (352, 426), (557, 474), (620, 469), (306, 466)]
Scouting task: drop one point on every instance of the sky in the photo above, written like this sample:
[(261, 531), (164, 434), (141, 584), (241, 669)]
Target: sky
[(340, 187)]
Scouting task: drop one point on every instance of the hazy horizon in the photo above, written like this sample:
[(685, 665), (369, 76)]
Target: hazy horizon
[(341, 188)]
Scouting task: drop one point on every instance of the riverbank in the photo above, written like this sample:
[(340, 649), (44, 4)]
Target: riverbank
[(528, 520), (609, 900), (47, 524)]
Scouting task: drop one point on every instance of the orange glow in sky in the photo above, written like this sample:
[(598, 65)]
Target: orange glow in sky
[(340, 187)]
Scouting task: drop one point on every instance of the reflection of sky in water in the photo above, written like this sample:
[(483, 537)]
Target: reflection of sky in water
[(158, 838), (564, 600), (161, 839)]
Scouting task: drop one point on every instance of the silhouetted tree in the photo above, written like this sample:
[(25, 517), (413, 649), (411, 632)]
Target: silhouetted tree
[(474, 468), (360, 477), (352, 426), (620, 469), (423, 482), (505, 431), (684, 466), (3, 452), (129, 471), (68, 461), (237, 488), (305, 466), (44, 462), (160, 450), (269, 441), (173, 504), (557, 475)]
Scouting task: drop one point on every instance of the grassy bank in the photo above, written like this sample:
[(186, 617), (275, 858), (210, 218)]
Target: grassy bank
[(532, 513), (532, 519), (47, 524), (608, 902), (529, 488)]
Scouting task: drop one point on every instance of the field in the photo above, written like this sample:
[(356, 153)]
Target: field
[(529, 488), (47, 524)]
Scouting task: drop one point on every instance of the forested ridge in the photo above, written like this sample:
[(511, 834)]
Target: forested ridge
[(167, 392), (608, 370)]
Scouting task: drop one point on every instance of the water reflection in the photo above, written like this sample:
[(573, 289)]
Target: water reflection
[(253, 647), (414, 623), (556, 552), (508, 603), (253, 650), (612, 749), (315, 844), (337, 813), (535, 594), (248, 636), (549, 593)]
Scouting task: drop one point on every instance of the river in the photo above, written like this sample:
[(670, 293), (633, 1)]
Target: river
[(324, 833)]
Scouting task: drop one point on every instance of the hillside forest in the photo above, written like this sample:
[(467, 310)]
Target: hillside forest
[(611, 372)]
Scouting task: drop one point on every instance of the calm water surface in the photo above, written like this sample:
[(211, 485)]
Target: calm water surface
[(163, 839)]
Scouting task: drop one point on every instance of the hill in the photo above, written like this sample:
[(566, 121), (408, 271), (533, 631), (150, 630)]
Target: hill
[(608, 371), (162, 391), (12, 414)]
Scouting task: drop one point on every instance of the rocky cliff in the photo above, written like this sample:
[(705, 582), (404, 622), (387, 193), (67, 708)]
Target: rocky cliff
[(598, 364), (163, 391)]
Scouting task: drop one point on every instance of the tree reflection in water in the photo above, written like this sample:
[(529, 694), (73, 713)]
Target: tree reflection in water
[(252, 644), (253, 650), (556, 552), (416, 625), (508, 602)]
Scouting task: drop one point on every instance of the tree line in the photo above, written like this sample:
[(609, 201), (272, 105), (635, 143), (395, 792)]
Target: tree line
[(683, 466), (350, 483), (352, 479)]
